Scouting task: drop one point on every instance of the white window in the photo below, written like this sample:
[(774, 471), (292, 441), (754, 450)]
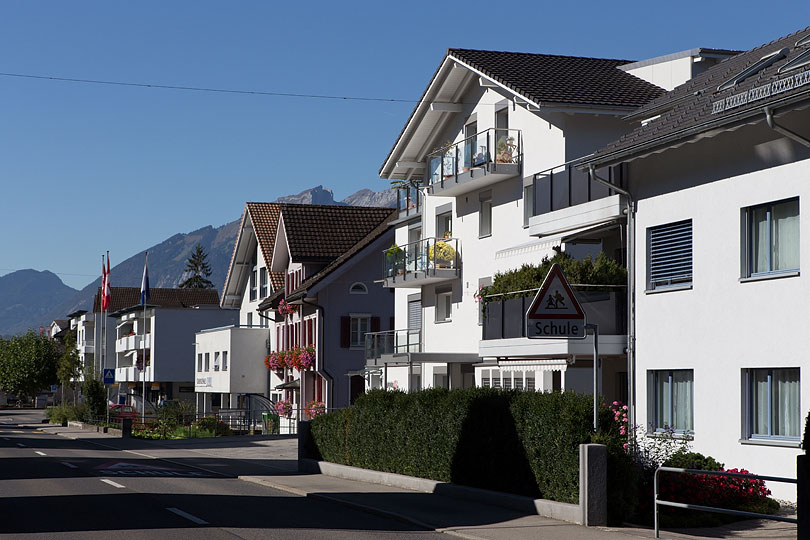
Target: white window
[(444, 306), (263, 283), (358, 330), (250, 319), (772, 238), (253, 290), (669, 255), (199, 362), (671, 400), (207, 361), (224, 360), (444, 225), (216, 361), (358, 288), (773, 405), (528, 204), (485, 214)]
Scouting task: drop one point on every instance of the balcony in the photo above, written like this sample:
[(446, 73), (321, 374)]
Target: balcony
[(504, 329), (409, 202), (385, 347), (430, 260), (565, 199), (132, 343), (477, 161), (87, 346)]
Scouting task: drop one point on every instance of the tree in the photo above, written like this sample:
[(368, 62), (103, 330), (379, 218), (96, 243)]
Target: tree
[(27, 364), (200, 270), (69, 365)]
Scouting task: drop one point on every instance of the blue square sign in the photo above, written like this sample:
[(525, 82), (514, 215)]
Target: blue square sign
[(109, 376)]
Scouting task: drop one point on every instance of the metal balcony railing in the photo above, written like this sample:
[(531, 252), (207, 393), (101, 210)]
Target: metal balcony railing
[(409, 201), (605, 305), (565, 185), (423, 256), (491, 146), (393, 342)]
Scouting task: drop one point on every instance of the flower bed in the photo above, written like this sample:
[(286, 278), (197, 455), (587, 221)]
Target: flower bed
[(300, 358)]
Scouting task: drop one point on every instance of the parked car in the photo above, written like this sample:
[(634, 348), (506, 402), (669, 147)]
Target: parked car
[(124, 411)]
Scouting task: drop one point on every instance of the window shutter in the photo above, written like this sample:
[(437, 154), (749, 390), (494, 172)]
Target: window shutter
[(345, 332), (415, 315), (375, 324), (670, 254), (391, 323)]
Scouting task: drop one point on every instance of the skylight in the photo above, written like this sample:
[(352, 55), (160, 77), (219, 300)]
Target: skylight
[(804, 41), (758, 66), (800, 61)]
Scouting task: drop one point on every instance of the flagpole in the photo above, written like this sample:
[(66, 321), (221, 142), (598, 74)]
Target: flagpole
[(144, 298)]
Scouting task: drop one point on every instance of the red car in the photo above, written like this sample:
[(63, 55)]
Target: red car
[(124, 411)]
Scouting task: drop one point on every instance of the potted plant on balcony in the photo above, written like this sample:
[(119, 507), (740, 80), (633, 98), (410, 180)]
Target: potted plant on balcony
[(442, 254), (393, 255), (505, 150)]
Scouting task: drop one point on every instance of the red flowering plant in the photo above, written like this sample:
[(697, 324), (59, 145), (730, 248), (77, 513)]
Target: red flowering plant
[(276, 361), (300, 358), (286, 309), (284, 408), (313, 409)]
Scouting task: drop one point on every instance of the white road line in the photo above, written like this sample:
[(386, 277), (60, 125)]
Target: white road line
[(40, 453), (113, 484), (69, 465), (188, 516), (21, 445)]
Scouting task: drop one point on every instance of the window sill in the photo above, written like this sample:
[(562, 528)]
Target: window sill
[(676, 436), (774, 275), (672, 288), (784, 443), (480, 236), (444, 321)]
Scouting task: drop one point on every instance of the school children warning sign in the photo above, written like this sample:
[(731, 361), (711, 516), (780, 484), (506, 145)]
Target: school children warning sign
[(555, 312)]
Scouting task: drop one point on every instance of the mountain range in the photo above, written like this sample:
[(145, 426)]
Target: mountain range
[(30, 299)]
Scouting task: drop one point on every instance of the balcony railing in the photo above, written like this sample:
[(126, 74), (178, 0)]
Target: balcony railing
[(426, 259), (565, 185), (489, 148), (605, 305), (409, 201), (392, 342)]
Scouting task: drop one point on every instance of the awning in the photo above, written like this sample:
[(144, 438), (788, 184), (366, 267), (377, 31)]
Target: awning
[(594, 232), (557, 364), (290, 385)]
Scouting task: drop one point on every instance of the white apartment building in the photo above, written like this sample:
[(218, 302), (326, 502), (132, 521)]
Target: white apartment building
[(482, 153), (229, 361), (718, 176), (154, 344)]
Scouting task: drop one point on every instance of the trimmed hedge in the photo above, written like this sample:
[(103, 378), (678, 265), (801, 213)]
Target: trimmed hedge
[(519, 442)]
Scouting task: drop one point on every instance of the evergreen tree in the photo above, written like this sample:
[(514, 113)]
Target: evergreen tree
[(199, 269)]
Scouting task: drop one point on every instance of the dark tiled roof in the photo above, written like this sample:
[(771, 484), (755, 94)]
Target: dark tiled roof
[(547, 78), (375, 233), (62, 323), (690, 105), (277, 280), (125, 297), (325, 232), (264, 217)]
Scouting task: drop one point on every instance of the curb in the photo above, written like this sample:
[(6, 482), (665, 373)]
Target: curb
[(357, 506)]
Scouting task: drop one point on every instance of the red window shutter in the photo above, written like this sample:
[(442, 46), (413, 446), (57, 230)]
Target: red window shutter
[(318, 388), (278, 338), (298, 332), (345, 332), (375, 324)]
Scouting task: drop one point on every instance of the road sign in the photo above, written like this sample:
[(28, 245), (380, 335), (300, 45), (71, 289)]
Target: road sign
[(54, 387), (555, 312), (109, 376)]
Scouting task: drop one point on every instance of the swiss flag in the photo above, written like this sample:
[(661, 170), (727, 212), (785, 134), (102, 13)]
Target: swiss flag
[(105, 284)]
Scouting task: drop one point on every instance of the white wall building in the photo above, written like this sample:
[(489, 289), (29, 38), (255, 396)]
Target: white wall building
[(719, 177), (481, 151)]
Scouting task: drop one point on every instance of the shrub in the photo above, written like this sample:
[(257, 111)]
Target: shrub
[(514, 441), (806, 436), (213, 424), (59, 414)]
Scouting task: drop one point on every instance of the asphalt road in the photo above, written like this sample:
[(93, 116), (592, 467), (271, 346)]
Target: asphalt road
[(58, 488)]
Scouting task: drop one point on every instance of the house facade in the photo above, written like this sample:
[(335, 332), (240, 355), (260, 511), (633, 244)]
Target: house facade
[(154, 344), (328, 257), (716, 178), (485, 152)]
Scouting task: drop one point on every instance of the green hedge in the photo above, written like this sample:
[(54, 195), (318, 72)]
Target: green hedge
[(513, 441)]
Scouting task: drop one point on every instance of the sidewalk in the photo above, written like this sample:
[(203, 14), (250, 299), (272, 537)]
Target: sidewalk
[(272, 461)]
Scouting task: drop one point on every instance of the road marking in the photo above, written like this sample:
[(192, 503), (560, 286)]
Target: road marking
[(40, 453), (188, 516), (69, 465), (21, 445), (113, 484), (6, 439)]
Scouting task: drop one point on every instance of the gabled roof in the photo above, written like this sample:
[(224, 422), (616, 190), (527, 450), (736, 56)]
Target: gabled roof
[(539, 80), (346, 256), (125, 297), (699, 107), (263, 219), (549, 78), (321, 233)]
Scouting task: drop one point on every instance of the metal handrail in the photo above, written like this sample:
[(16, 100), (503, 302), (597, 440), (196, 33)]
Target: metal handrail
[(577, 285), (658, 502)]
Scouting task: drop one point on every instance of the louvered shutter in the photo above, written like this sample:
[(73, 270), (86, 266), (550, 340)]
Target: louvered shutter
[(375, 324), (345, 332), (670, 254), (415, 315)]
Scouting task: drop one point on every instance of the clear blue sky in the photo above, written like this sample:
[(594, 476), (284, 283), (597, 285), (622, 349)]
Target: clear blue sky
[(88, 168)]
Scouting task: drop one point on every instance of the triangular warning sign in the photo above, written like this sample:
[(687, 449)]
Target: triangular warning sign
[(555, 299)]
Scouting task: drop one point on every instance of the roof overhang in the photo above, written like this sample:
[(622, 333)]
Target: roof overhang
[(709, 128), (281, 249), (239, 270)]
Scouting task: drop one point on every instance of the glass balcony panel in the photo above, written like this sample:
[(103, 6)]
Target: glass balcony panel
[(392, 343), (484, 148), (426, 259)]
